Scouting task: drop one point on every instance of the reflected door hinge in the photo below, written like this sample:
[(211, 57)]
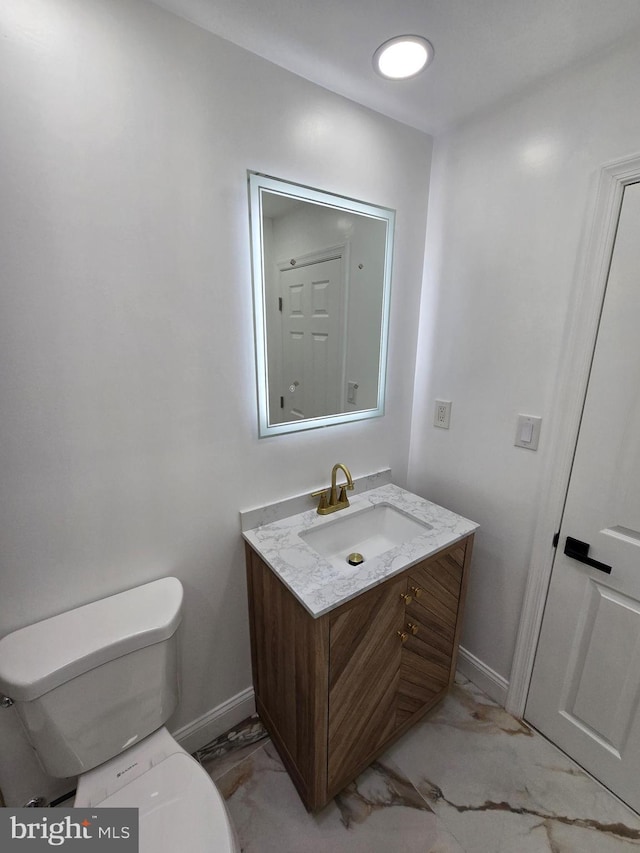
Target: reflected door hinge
[(279, 303), (556, 539)]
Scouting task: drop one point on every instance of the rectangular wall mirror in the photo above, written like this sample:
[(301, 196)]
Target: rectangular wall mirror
[(321, 285)]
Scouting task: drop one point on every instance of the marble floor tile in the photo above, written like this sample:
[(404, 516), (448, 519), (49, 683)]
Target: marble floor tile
[(232, 747), (499, 786), (380, 812), (469, 778)]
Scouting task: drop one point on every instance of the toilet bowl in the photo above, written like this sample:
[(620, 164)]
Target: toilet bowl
[(93, 688), (178, 804)]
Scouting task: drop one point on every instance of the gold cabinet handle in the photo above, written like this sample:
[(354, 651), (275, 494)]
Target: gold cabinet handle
[(403, 636), (417, 591), (412, 627), (406, 597)]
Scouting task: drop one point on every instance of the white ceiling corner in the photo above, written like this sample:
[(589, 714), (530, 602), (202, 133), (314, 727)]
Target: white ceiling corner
[(485, 50)]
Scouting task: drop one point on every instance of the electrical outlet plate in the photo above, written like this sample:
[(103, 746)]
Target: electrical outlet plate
[(442, 414)]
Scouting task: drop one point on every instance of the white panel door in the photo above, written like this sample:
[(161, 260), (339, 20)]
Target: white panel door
[(312, 339), (585, 690)]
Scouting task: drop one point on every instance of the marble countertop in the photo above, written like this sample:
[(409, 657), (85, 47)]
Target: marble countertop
[(318, 584)]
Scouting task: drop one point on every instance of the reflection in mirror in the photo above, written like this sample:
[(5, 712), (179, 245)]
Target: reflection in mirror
[(321, 280)]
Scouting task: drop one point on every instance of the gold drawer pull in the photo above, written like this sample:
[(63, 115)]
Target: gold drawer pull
[(417, 591), (403, 636), (406, 597), (412, 627)]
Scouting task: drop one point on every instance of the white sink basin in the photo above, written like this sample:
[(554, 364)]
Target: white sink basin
[(370, 532)]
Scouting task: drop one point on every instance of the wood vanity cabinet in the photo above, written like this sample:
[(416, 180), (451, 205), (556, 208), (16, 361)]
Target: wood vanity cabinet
[(334, 691)]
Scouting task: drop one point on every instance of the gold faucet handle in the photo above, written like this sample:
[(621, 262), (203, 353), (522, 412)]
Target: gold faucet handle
[(343, 493), (322, 494)]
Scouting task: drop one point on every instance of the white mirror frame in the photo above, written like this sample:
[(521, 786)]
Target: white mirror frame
[(259, 183)]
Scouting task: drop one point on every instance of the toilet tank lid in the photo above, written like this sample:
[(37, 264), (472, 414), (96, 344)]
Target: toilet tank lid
[(40, 657)]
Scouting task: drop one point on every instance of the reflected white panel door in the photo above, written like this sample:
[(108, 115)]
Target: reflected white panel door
[(585, 691), (312, 339)]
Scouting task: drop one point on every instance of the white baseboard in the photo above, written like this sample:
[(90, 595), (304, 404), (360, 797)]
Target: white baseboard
[(494, 685), (217, 721)]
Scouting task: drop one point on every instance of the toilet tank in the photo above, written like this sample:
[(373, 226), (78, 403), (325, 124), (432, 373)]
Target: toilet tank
[(91, 682)]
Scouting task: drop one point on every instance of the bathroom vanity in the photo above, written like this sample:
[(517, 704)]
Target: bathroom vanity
[(347, 658)]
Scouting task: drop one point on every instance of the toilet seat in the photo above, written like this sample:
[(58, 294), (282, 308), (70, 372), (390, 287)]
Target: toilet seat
[(179, 808)]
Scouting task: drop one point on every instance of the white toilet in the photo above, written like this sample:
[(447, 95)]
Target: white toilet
[(93, 688)]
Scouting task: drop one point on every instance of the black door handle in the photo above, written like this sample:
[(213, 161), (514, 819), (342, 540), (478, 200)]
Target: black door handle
[(578, 550)]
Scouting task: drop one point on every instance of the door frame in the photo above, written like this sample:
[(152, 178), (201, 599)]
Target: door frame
[(581, 331)]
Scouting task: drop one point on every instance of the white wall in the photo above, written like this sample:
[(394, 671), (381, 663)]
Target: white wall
[(127, 388), (508, 211)]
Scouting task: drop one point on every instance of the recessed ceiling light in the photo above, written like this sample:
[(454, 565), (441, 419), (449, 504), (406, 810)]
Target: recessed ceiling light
[(402, 57)]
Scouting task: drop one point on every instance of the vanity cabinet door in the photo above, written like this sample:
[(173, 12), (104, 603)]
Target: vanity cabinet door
[(364, 671), (431, 624)]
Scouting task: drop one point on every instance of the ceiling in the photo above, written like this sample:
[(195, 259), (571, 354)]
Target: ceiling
[(485, 50)]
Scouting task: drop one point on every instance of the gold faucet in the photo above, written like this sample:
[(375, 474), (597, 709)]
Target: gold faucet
[(330, 501)]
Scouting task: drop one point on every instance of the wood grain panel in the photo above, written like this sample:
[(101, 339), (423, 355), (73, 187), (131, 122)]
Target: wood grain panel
[(420, 685), (365, 652), (289, 655), (440, 580), (427, 656)]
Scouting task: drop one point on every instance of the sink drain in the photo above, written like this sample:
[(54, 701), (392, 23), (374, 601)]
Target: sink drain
[(355, 559)]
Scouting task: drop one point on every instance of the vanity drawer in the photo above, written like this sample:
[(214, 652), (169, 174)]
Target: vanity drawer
[(431, 620)]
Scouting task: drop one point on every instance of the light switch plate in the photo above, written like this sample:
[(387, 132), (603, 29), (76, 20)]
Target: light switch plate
[(528, 432)]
